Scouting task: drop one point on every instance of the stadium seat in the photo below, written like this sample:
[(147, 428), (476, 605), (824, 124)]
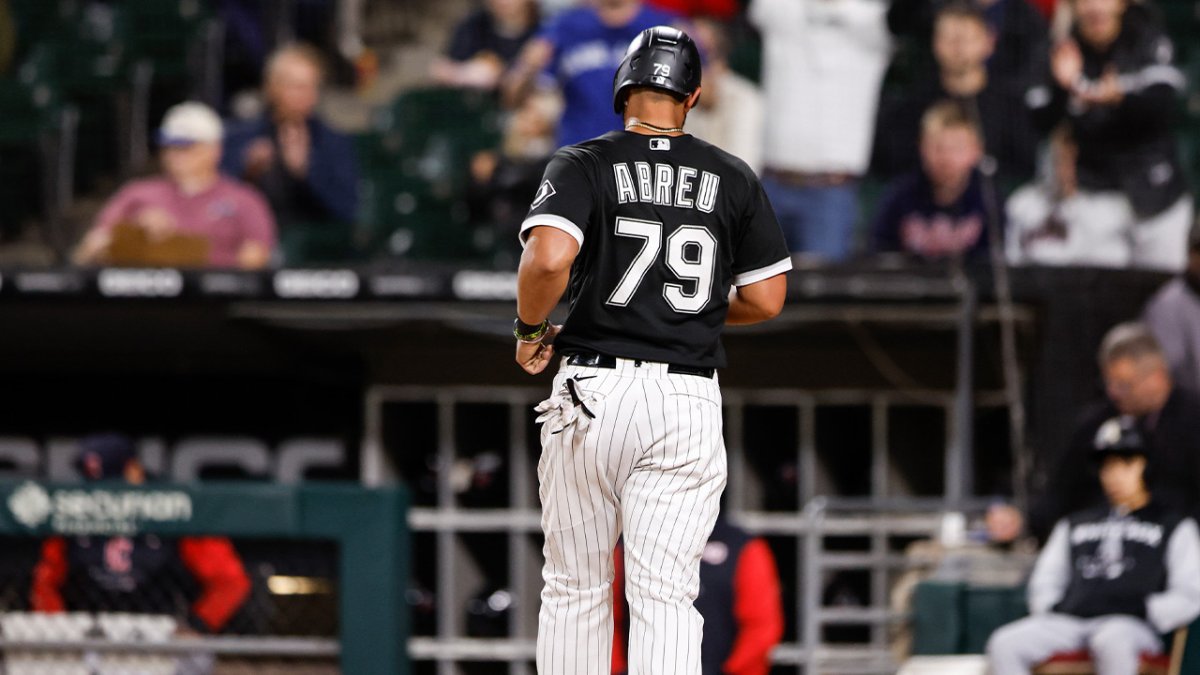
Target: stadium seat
[(937, 618), (183, 42), (110, 93), (36, 130), (988, 608), (405, 215), (415, 162)]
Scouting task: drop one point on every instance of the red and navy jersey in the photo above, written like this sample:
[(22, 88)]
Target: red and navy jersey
[(739, 598), (141, 574), (665, 225)]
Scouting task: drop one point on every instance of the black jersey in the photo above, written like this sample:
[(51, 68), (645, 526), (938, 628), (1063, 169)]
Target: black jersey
[(665, 225)]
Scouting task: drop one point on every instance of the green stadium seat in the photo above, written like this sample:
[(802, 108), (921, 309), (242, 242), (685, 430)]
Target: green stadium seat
[(404, 215), (91, 73), (937, 618), (39, 20), (956, 618), (182, 41), (439, 130), (416, 160), (36, 155), (988, 608)]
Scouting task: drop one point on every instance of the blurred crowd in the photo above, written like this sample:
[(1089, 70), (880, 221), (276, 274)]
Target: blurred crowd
[(1053, 132)]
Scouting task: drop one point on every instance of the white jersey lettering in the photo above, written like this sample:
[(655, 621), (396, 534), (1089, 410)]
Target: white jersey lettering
[(666, 185)]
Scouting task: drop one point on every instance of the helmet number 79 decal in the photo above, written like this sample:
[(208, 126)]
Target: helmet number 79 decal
[(662, 69)]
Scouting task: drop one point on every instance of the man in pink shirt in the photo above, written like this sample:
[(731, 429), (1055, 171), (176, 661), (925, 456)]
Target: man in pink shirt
[(190, 198)]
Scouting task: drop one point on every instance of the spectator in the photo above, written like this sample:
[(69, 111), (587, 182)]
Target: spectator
[(730, 113), (1139, 385), (962, 45), (133, 574), (938, 211), (576, 52), (823, 62), (1114, 80), (486, 43), (1020, 32), (1053, 222), (1173, 315), (739, 599), (723, 10), (1112, 578), (308, 171), (504, 181), (191, 198)]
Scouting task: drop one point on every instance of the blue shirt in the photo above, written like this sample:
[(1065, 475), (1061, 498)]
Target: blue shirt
[(586, 55)]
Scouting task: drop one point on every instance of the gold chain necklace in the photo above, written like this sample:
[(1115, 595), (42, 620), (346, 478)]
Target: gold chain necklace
[(652, 127)]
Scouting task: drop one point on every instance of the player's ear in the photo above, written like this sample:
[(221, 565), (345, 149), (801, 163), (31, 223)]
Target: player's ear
[(692, 100)]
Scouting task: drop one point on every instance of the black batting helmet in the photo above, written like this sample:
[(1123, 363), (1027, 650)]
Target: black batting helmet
[(661, 57)]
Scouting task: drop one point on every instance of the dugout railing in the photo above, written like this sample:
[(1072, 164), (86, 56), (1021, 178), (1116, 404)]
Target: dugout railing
[(816, 534)]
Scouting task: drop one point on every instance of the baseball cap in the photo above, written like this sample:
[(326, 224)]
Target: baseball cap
[(1118, 436), (188, 123)]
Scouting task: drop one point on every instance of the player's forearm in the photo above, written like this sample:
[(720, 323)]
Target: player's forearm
[(742, 313), (544, 273), (538, 292), (757, 302)]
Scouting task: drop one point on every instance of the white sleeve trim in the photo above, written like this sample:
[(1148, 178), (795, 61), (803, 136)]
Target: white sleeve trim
[(550, 220), (754, 276), (1155, 74)]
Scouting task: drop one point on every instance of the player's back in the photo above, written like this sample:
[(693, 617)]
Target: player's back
[(665, 224)]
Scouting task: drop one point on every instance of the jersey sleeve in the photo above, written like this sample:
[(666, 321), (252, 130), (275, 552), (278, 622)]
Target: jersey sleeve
[(563, 200), (762, 252)]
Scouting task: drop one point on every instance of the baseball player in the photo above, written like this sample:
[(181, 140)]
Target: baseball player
[(662, 239)]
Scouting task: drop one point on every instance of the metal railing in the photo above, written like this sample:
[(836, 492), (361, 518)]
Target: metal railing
[(887, 514)]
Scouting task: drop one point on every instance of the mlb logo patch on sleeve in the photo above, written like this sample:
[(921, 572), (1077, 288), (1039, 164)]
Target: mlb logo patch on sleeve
[(660, 144), (546, 191)]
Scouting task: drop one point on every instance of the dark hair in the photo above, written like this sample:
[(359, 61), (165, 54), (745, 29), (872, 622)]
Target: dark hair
[(962, 10)]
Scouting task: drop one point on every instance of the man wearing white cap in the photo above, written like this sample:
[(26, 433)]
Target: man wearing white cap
[(190, 198)]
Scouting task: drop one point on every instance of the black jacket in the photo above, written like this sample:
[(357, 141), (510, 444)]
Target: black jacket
[(1129, 147), (1173, 463)]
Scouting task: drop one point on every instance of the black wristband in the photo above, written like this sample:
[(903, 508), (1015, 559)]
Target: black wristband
[(527, 328), (527, 333)]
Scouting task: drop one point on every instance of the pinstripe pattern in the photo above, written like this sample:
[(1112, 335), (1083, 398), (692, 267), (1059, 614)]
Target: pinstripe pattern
[(651, 465)]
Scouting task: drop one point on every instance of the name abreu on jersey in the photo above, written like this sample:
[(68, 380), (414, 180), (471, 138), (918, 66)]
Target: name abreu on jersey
[(666, 185)]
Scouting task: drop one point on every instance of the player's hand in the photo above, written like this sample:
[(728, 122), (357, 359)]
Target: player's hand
[(533, 357)]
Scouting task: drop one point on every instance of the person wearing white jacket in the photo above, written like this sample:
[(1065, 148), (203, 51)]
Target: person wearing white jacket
[(823, 63), (1111, 579)]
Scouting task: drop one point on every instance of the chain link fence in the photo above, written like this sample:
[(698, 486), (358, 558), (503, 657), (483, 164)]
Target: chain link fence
[(129, 606)]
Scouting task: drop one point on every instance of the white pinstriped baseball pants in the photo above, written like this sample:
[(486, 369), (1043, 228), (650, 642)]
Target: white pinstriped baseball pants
[(649, 464)]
